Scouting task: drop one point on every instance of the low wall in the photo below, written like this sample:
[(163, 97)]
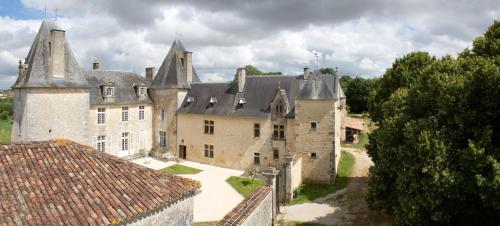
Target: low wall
[(296, 173), (179, 213), (255, 210)]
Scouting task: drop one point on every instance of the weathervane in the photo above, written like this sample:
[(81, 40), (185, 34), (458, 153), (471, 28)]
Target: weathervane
[(45, 12), (56, 13)]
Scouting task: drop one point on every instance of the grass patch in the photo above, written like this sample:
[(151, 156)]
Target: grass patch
[(310, 192), (180, 169), (5, 130), (243, 185), (297, 223), (207, 223)]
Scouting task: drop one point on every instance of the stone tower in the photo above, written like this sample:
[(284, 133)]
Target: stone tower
[(317, 129), (168, 90), (51, 96)]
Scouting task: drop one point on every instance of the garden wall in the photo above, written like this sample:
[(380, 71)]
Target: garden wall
[(255, 210)]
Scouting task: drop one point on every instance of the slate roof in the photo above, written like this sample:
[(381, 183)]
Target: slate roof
[(124, 82), (171, 72), (60, 182), (38, 63), (259, 92)]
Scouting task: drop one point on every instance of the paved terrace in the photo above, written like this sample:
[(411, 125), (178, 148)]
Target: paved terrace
[(216, 198)]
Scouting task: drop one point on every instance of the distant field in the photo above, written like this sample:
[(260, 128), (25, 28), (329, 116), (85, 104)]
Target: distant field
[(5, 128)]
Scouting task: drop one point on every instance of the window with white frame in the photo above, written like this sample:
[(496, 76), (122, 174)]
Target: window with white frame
[(163, 139), (162, 114), (109, 91), (141, 112), (142, 90), (125, 141), (124, 114), (101, 143), (209, 151), (142, 139), (101, 115)]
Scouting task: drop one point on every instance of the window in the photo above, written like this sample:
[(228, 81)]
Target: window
[(313, 155), (101, 143), (209, 127), (276, 154), (279, 109), (142, 91), (163, 139), (124, 114), (125, 142), (279, 131), (256, 130), (256, 158), (101, 115), (162, 114), (209, 151), (109, 91), (141, 112), (313, 125)]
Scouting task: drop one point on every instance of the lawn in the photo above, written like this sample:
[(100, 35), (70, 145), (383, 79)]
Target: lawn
[(180, 169), (310, 192), (244, 185), (5, 128), (363, 140)]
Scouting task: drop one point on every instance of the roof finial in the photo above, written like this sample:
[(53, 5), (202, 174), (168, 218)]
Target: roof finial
[(45, 12), (316, 56)]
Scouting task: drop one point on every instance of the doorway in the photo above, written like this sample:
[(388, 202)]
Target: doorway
[(182, 152)]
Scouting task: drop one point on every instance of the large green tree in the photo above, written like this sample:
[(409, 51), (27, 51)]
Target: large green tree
[(436, 151), (251, 70), (357, 93)]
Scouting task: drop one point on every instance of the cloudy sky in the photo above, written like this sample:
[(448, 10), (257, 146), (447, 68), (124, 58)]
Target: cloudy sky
[(360, 37)]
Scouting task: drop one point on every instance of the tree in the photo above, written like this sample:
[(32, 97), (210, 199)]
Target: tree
[(436, 151), (328, 71), (357, 92), (251, 70)]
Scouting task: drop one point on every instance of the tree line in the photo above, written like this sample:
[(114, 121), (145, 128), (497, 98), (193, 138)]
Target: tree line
[(436, 150)]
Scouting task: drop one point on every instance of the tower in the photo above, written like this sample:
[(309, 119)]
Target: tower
[(51, 96), (168, 90)]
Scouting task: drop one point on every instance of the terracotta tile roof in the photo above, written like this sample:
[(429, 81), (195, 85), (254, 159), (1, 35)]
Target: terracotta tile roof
[(239, 213), (60, 182), (354, 123)]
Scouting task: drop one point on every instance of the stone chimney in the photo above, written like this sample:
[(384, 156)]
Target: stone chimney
[(56, 52), (150, 73), (241, 77), (188, 65), (96, 65), (306, 73)]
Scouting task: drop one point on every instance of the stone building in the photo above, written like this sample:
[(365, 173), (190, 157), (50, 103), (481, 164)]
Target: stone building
[(250, 123), (78, 185)]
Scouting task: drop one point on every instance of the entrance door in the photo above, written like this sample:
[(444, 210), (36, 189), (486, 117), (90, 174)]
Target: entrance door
[(182, 151)]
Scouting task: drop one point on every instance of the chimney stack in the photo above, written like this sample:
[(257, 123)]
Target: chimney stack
[(96, 65), (306, 73), (241, 77), (57, 52), (188, 66), (150, 73)]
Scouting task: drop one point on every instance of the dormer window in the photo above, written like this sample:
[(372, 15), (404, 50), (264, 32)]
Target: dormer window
[(142, 91), (241, 102), (190, 100), (109, 92), (212, 102), (279, 108)]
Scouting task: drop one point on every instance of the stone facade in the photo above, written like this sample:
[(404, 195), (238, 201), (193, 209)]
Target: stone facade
[(48, 113), (140, 131)]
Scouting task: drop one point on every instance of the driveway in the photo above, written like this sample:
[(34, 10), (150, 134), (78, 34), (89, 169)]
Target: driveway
[(216, 198)]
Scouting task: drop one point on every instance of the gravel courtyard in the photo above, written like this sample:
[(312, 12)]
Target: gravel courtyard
[(216, 198)]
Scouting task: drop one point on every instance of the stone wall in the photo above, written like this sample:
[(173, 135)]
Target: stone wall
[(255, 210), (178, 214), (296, 174), (166, 99), (114, 127), (233, 140), (317, 141), (48, 113)]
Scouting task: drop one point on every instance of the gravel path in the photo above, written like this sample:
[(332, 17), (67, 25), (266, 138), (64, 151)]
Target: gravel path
[(344, 207)]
